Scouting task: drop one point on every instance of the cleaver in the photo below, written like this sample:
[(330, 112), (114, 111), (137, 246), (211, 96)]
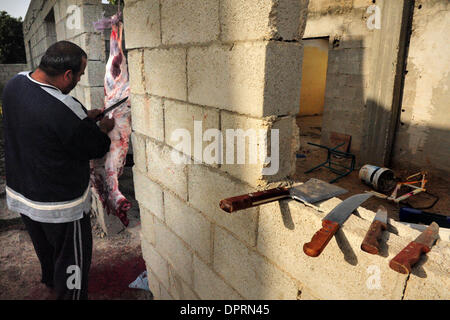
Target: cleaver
[(312, 191)]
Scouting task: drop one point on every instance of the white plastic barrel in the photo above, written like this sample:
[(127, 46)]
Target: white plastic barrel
[(381, 179)]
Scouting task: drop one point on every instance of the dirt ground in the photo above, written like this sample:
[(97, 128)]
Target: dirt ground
[(116, 262), (311, 156)]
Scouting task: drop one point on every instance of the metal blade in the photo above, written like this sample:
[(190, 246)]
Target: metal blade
[(381, 214), (115, 105), (343, 210), (429, 235), (315, 190)]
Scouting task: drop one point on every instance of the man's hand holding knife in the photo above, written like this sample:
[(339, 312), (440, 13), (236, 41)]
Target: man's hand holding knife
[(106, 124)]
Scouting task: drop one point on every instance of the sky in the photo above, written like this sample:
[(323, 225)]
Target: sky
[(15, 8)]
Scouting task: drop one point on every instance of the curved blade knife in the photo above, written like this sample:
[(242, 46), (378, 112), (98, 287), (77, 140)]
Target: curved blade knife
[(332, 222), (115, 105), (371, 242), (410, 255)]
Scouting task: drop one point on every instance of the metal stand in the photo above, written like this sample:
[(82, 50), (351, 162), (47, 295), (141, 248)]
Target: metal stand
[(328, 164)]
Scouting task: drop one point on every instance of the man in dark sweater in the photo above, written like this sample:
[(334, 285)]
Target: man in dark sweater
[(49, 139)]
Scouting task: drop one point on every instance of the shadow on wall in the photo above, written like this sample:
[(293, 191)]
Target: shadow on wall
[(347, 80)]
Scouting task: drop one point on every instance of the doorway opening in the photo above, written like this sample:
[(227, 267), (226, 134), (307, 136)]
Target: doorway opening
[(312, 96)]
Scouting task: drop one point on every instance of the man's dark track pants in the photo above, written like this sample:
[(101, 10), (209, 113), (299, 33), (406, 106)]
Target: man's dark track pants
[(64, 251)]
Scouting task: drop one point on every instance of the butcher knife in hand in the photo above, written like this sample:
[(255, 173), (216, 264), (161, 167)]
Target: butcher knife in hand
[(371, 242), (410, 255), (115, 105), (332, 222), (312, 191)]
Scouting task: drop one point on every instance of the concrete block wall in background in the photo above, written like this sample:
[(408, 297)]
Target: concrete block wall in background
[(49, 21), (7, 71), (349, 58)]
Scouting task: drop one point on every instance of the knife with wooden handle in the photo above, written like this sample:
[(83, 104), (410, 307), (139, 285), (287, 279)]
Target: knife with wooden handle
[(253, 199), (332, 222), (312, 191), (410, 255), (371, 242)]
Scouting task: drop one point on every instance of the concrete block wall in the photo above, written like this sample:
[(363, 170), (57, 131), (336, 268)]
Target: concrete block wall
[(349, 59), (72, 21), (423, 136), (228, 64), (7, 71), (225, 63), (38, 34)]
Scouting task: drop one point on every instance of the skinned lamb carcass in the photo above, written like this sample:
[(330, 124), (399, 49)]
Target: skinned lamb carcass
[(106, 171)]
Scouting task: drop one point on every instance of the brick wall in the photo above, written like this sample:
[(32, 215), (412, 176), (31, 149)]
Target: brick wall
[(237, 64)]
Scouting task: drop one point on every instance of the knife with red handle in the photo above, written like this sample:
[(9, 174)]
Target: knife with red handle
[(332, 222), (312, 191), (371, 242), (410, 255), (253, 199)]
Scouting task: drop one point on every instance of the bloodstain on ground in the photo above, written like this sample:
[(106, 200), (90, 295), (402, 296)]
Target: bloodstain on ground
[(110, 279), (116, 262)]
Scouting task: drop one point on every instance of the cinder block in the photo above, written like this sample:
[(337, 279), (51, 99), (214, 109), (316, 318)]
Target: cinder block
[(147, 224), (209, 285), (142, 24), (165, 72), (258, 78), (283, 70), (153, 285), (94, 97), (139, 154), (188, 224), (249, 171), (228, 77), (161, 167), (94, 74), (189, 21), (343, 270), (248, 272), (165, 295), (89, 14), (147, 116), (148, 193), (135, 70), (78, 92), (208, 186), (245, 20), (179, 289), (174, 251), (153, 260), (261, 19), (282, 134), (94, 46), (181, 116)]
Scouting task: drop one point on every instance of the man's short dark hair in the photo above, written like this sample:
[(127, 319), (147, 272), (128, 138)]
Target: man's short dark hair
[(62, 56)]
